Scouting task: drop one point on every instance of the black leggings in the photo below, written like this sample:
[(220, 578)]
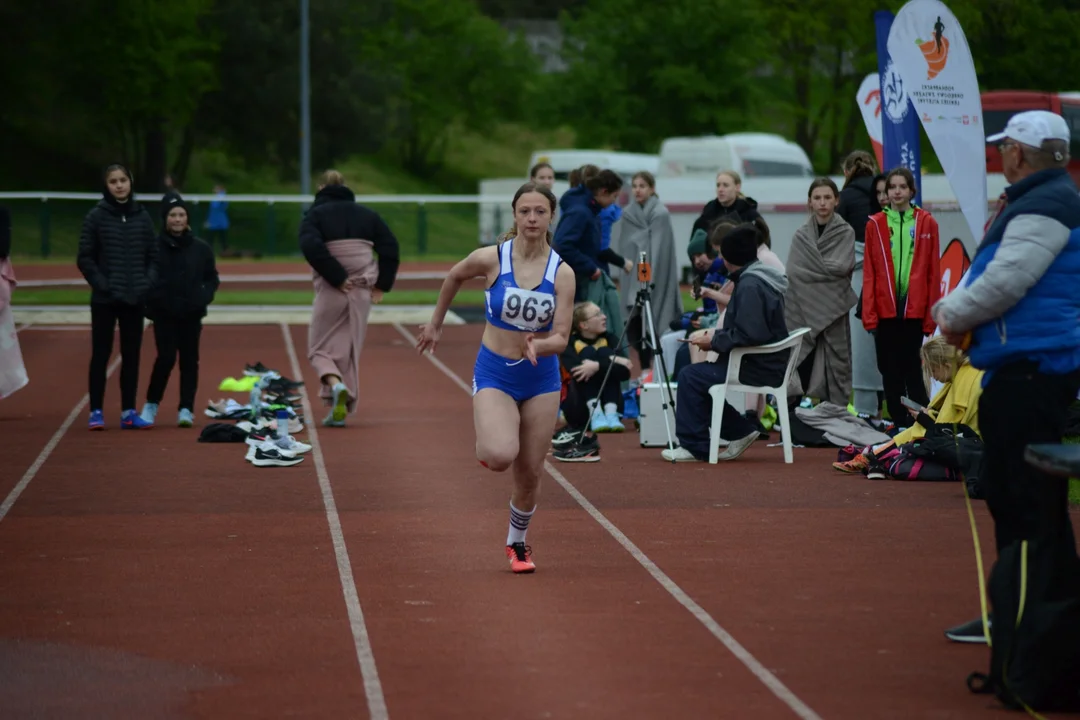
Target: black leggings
[(898, 343), (104, 317), (636, 336), (576, 408), (174, 337)]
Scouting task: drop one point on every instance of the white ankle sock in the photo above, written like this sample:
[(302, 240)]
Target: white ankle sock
[(610, 408), (519, 524)]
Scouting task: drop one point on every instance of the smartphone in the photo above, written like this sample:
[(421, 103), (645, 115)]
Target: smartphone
[(909, 403)]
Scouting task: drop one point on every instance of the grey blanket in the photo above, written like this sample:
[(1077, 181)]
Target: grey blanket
[(841, 428), (819, 297), (647, 229)]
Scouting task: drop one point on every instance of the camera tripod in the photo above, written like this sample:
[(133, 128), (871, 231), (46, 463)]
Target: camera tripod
[(643, 308)]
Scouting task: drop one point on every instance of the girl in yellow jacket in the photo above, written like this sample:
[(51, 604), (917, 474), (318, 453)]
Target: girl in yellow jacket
[(956, 403)]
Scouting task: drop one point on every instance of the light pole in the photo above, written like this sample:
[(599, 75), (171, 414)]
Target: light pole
[(305, 101)]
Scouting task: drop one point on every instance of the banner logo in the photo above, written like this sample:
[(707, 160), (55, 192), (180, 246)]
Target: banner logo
[(893, 95), (936, 51), (954, 265)]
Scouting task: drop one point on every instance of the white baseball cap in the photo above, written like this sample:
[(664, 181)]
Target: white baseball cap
[(1033, 127)]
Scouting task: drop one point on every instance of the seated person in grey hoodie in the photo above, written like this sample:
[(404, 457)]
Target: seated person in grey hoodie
[(755, 316)]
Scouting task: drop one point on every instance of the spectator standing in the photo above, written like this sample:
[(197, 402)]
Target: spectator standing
[(901, 283), (217, 221), (646, 228), (859, 199), (185, 280), (116, 256), (1016, 313), (729, 201), (577, 240), (819, 296), (12, 369), (341, 240)]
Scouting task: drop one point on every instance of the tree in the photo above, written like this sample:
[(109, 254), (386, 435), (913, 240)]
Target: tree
[(446, 66), (682, 67)]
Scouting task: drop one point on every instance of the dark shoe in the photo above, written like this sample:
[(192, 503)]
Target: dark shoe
[(587, 450), (969, 632), (565, 437)]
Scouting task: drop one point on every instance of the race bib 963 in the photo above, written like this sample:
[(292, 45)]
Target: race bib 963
[(526, 309)]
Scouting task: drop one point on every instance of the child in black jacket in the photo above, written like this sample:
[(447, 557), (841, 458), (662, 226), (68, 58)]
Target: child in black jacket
[(186, 279), (589, 353)]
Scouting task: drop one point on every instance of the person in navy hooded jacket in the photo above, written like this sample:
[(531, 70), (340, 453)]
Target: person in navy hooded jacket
[(1017, 314)]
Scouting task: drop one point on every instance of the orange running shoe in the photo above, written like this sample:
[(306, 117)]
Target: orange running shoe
[(520, 556), (858, 464)]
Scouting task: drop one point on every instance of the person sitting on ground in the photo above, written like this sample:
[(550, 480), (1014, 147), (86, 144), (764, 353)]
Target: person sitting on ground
[(754, 316), (957, 403), (185, 280), (592, 349)]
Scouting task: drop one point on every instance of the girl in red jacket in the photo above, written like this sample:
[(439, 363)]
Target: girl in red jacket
[(901, 282)]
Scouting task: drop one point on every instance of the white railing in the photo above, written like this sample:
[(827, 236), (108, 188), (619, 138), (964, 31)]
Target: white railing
[(46, 195)]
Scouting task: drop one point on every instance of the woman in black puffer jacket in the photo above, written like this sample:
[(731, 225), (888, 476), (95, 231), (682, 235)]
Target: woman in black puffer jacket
[(116, 252)]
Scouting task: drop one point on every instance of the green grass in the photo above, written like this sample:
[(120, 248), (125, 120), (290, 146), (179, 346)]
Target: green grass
[(81, 296), (74, 296)]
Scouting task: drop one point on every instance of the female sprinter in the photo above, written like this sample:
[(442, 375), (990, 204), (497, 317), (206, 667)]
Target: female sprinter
[(516, 381)]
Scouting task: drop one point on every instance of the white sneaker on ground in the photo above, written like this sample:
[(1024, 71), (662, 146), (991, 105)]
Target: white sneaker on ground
[(679, 455), (737, 447)]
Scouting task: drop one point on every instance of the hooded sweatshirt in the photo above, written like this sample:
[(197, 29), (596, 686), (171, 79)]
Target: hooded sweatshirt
[(755, 316)]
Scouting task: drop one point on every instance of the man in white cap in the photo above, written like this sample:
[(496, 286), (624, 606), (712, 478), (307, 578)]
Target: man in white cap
[(1017, 317)]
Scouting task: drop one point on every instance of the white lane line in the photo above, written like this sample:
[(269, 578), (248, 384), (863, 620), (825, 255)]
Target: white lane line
[(372, 687), (20, 328), (752, 664), (50, 446)]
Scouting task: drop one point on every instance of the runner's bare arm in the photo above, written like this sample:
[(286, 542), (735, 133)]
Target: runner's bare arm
[(565, 286)]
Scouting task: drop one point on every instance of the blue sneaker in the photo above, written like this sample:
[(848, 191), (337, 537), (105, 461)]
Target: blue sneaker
[(130, 420), (149, 412), (599, 422), (186, 418), (97, 420), (614, 423)]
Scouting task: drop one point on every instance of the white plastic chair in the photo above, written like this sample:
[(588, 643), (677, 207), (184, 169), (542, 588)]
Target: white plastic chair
[(719, 392)]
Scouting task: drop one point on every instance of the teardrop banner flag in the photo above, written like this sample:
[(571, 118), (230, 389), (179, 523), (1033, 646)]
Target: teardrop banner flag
[(869, 99), (899, 121), (954, 265), (932, 55)]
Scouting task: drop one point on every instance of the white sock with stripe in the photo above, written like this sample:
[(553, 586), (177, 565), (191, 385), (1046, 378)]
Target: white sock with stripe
[(519, 524)]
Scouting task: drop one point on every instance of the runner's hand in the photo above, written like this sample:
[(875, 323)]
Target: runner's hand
[(429, 338), (528, 348), (376, 295)]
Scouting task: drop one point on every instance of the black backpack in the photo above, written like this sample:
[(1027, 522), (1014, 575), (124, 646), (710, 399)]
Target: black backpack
[(1034, 589), (957, 447)]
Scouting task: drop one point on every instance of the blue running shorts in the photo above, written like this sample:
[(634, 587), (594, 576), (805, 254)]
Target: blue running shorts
[(519, 379)]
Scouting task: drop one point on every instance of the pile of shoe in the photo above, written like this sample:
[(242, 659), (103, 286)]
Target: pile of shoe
[(270, 418)]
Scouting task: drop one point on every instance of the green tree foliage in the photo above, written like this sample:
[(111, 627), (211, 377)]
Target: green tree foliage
[(446, 66), (638, 75), (102, 82)]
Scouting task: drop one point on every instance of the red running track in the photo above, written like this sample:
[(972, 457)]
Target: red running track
[(145, 575)]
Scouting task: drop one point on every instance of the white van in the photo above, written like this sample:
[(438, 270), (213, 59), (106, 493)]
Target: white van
[(752, 155), (563, 161)]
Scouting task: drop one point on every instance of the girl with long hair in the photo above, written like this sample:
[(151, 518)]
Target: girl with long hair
[(901, 283), (116, 253), (516, 379), (819, 295)]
